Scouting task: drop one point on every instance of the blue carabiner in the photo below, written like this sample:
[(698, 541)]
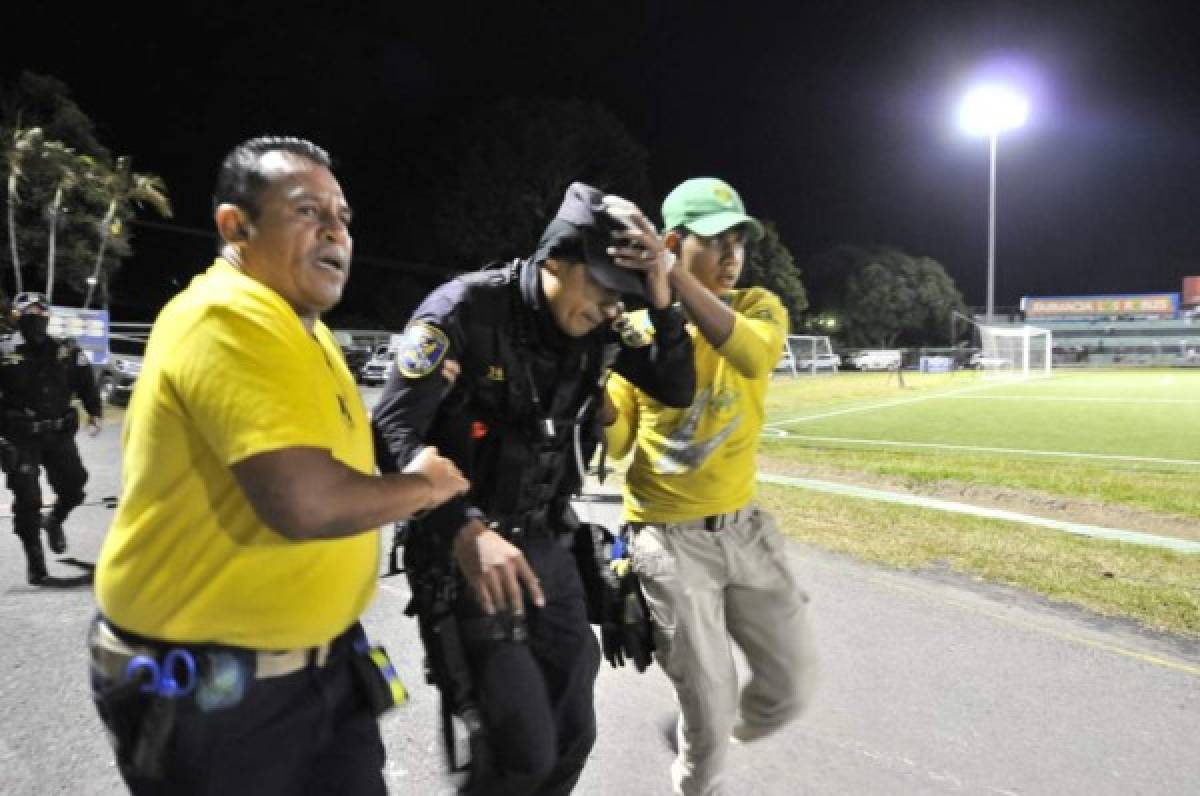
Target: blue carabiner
[(139, 664), (162, 680), (170, 686)]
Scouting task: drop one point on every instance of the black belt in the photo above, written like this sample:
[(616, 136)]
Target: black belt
[(719, 522), (31, 426), (711, 523)]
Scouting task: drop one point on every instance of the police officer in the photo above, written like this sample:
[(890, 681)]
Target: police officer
[(518, 413), (38, 379)]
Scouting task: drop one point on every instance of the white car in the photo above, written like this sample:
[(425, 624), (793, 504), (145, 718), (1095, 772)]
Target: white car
[(378, 367), (877, 360), (820, 362), (979, 361)]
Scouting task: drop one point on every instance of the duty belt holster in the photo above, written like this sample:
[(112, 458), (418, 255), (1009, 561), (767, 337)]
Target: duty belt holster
[(615, 601), (434, 586)]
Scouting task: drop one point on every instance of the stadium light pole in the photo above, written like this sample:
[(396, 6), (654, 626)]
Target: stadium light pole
[(989, 110)]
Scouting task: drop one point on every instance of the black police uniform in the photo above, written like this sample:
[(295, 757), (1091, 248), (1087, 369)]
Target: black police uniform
[(517, 421), (37, 383)]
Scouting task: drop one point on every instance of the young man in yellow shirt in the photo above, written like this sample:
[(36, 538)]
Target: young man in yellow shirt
[(713, 567), (228, 657)]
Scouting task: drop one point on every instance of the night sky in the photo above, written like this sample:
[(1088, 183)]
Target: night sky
[(833, 119)]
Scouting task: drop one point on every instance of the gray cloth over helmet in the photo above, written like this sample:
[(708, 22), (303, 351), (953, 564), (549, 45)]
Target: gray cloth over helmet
[(582, 221)]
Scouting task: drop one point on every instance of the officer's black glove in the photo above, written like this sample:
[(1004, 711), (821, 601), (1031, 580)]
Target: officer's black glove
[(637, 631), (612, 642)]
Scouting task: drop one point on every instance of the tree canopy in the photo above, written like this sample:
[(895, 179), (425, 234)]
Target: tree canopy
[(507, 166), (772, 266), (885, 297), (68, 203)]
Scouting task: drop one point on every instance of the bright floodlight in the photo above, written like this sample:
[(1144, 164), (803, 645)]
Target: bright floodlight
[(992, 109)]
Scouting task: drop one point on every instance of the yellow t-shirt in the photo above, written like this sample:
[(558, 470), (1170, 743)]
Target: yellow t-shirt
[(230, 372), (699, 461)]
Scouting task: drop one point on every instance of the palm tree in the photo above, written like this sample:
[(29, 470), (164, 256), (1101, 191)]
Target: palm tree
[(20, 147), (66, 167), (124, 186)]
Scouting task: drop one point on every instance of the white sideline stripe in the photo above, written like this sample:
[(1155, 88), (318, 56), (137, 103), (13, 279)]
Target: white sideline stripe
[(884, 405), (781, 434), (1080, 398), (1132, 537)]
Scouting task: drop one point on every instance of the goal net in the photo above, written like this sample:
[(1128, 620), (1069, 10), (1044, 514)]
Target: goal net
[(1015, 352), (807, 354)]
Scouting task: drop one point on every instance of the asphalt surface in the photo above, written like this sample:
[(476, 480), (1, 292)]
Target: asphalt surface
[(930, 684)]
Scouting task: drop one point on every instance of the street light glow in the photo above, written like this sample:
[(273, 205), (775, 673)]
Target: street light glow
[(991, 108), (988, 110)]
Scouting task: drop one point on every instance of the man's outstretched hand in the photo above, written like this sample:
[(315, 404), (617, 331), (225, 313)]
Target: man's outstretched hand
[(495, 569), (445, 479)]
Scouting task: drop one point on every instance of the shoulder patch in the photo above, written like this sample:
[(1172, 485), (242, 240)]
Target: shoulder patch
[(81, 358), (421, 350)]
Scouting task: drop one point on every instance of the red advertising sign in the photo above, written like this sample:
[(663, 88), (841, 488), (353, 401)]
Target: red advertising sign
[(1191, 291)]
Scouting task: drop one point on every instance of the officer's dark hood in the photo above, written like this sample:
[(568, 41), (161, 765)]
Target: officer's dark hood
[(582, 230), (545, 328)]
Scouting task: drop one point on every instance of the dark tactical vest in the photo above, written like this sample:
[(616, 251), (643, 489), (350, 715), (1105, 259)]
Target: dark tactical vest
[(529, 410)]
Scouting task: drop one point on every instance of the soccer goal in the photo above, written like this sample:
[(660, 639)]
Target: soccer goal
[(1015, 352), (807, 354)]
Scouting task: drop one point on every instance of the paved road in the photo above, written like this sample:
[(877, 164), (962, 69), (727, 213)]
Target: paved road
[(931, 684)]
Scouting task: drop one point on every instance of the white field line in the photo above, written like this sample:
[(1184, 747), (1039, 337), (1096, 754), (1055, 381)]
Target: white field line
[(782, 434), (871, 407), (1080, 529), (1079, 398)]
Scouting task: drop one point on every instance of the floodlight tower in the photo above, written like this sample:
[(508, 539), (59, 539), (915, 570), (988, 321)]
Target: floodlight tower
[(991, 109)]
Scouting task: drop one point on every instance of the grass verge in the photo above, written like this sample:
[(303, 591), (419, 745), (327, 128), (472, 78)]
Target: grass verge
[(1159, 588), (1156, 488)]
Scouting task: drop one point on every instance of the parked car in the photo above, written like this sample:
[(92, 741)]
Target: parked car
[(376, 370), (819, 362), (877, 360), (355, 354), (115, 379), (979, 361), (785, 361)]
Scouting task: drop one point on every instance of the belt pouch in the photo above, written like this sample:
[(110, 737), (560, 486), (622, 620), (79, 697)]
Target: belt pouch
[(375, 673)]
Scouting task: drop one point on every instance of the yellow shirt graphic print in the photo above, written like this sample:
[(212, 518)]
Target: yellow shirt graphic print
[(683, 450), (699, 461)]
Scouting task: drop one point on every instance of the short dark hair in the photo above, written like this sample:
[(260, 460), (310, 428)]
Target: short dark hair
[(240, 179)]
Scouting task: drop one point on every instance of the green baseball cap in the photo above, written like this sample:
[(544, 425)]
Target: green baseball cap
[(707, 206)]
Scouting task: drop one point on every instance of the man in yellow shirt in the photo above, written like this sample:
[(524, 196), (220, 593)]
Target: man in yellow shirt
[(711, 564), (227, 657)]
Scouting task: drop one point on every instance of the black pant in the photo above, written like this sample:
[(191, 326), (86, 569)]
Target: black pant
[(57, 452), (536, 696), (303, 734)]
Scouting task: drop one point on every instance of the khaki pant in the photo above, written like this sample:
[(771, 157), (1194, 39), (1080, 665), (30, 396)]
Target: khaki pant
[(706, 589)]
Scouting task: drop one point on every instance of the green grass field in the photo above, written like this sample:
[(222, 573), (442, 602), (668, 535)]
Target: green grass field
[(1123, 445), (1127, 437)]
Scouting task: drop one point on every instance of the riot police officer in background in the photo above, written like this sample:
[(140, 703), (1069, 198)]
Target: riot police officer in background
[(503, 370), (38, 379)]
